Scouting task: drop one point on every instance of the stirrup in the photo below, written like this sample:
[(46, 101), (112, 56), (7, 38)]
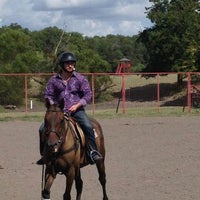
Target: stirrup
[(95, 156)]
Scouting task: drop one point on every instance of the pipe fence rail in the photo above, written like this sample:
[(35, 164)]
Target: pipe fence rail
[(117, 93)]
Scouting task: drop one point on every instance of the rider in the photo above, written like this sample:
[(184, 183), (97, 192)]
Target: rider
[(75, 89)]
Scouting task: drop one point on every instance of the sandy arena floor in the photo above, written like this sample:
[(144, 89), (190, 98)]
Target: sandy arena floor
[(147, 159)]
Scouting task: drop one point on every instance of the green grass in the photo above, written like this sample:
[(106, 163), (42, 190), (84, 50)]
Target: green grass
[(146, 112), (110, 113), (37, 116)]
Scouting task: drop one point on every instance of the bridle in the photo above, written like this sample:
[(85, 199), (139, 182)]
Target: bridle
[(61, 129), (58, 133), (64, 128)]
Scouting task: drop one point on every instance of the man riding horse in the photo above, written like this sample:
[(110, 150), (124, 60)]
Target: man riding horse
[(74, 88)]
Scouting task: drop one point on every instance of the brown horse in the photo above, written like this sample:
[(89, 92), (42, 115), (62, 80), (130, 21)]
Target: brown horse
[(65, 153)]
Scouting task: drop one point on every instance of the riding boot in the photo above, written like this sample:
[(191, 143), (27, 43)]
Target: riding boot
[(41, 144), (86, 125), (91, 146), (40, 161), (93, 153)]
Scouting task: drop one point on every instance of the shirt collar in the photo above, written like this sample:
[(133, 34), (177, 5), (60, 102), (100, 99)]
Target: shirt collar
[(74, 73)]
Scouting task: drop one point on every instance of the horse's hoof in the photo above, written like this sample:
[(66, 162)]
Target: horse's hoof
[(45, 195)]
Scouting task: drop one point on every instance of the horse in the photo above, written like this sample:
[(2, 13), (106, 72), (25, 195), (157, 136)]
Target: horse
[(65, 152)]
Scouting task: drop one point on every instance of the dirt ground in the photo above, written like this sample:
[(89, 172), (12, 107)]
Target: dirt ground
[(147, 159)]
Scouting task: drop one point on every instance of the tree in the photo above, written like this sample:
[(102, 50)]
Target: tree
[(46, 41), (173, 41), (17, 52), (17, 55)]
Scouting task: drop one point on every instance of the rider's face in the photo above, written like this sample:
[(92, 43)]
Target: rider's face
[(69, 66)]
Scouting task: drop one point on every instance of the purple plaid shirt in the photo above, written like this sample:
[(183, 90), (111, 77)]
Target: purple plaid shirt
[(76, 89)]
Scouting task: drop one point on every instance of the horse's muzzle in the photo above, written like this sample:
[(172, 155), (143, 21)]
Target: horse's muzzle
[(53, 146)]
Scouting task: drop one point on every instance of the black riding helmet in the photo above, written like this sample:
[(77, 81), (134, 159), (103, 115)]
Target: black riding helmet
[(67, 57)]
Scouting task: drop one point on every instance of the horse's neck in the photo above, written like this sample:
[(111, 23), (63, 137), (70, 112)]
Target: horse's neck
[(55, 108), (69, 138)]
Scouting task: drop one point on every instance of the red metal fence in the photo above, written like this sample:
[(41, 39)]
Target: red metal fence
[(126, 91)]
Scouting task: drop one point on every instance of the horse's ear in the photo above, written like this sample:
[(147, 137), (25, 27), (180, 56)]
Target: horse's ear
[(47, 103), (62, 104)]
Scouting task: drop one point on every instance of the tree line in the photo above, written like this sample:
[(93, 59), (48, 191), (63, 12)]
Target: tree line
[(171, 44), (38, 51)]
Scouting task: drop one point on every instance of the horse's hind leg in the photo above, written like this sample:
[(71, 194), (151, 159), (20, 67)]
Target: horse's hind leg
[(79, 185), (102, 177)]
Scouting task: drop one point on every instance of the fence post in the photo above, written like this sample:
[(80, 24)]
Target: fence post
[(26, 93), (93, 108), (123, 94), (189, 92), (158, 92)]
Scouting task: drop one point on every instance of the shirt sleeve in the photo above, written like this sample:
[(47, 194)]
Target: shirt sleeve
[(86, 93), (50, 91)]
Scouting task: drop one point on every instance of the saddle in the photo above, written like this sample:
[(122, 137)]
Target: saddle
[(77, 130), (80, 136)]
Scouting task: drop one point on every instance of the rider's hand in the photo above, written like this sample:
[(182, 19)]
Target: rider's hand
[(74, 107)]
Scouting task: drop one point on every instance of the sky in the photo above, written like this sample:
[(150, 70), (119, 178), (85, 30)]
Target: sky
[(88, 17)]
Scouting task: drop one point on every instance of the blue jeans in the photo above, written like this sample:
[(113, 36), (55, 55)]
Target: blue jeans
[(86, 125)]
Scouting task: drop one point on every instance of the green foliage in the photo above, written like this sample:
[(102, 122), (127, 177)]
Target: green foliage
[(114, 47), (23, 51), (18, 54), (11, 90), (173, 41)]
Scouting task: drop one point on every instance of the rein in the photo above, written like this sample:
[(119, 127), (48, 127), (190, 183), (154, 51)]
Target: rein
[(76, 141), (52, 131), (75, 146)]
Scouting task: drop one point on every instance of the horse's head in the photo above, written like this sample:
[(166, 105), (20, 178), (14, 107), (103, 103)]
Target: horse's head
[(54, 126)]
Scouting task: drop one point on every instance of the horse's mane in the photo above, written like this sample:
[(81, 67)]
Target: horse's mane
[(54, 106)]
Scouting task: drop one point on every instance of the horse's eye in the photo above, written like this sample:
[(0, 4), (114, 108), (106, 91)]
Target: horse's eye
[(46, 129)]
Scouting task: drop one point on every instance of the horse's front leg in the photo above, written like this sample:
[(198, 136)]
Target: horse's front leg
[(70, 175), (49, 178)]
